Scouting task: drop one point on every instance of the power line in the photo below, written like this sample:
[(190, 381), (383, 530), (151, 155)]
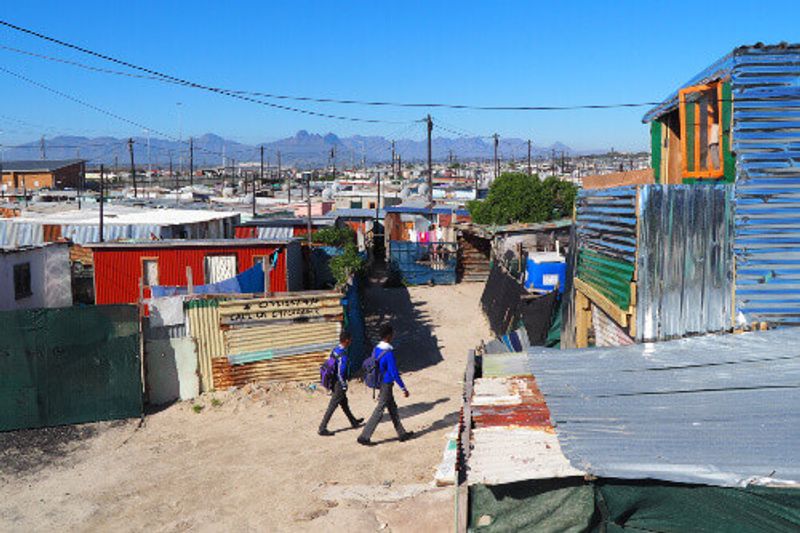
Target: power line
[(180, 81), (245, 95)]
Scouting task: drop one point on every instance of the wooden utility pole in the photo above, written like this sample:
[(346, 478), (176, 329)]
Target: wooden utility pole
[(430, 160), (102, 187), (288, 180), (177, 185), (42, 150), (133, 168), (496, 160), (308, 204), (260, 177), (530, 173), (333, 161), (191, 161)]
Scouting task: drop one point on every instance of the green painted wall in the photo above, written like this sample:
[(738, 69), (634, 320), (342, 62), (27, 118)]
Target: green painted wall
[(655, 149), (69, 365), (611, 277), (727, 127)]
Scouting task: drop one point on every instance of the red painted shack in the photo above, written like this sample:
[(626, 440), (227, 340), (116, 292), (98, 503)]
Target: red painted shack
[(118, 266)]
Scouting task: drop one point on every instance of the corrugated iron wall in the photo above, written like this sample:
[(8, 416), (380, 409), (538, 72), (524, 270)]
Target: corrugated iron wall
[(203, 318), (766, 141), (606, 241), (283, 338), (685, 260), (117, 270)]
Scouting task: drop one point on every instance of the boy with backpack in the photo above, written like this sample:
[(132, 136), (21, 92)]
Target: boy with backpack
[(337, 383), (381, 373)]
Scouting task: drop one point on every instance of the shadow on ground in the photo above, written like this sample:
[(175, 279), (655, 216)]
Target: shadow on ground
[(415, 345), (31, 450), (447, 421)]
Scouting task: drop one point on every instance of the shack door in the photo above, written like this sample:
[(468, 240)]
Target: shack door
[(220, 267)]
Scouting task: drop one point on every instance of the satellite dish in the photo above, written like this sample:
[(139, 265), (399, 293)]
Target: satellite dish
[(327, 195)]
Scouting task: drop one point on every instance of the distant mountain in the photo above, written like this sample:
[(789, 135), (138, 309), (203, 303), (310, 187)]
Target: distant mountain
[(304, 149)]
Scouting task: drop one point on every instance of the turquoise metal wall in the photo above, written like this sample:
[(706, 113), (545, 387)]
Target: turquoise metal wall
[(766, 141), (69, 365)]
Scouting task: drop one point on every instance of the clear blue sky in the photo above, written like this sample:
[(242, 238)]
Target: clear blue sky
[(486, 53)]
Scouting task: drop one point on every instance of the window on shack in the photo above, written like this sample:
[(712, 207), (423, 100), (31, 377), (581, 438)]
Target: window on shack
[(701, 131), (150, 272), (22, 281)]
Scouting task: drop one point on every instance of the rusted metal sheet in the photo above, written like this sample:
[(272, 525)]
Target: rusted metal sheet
[(509, 402), (296, 368), (513, 439)]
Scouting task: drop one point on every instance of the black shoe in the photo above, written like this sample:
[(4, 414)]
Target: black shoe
[(358, 423), (365, 442), (324, 433), (408, 435)]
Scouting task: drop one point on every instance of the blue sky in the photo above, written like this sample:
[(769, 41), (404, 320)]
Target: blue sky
[(484, 53)]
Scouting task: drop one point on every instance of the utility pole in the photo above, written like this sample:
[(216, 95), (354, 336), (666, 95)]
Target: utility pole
[(288, 180), (430, 161), (553, 162), (529, 158), (562, 162), (333, 160), (42, 150), (308, 204), (191, 161), (394, 162), (102, 186), (133, 168), (177, 185), (149, 159), (81, 180), (260, 177), (496, 160)]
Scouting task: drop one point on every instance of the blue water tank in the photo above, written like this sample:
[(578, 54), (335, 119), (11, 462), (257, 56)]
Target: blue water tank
[(546, 271)]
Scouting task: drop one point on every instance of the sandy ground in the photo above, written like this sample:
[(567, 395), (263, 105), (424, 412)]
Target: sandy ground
[(251, 459)]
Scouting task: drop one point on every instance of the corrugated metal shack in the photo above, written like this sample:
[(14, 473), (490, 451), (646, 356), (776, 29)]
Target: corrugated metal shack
[(119, 266), (652, 262), (271, 228), (737, 122), (666, 442), (82, 226), (284, 337)]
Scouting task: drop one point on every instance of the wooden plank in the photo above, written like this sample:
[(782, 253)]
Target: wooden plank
[(619, 316)]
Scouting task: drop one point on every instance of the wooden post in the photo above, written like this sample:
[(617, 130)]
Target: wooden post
[(267, 266), (189, 283)]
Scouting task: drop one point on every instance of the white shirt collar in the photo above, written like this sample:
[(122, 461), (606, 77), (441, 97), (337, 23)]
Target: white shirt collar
[(383, 345)]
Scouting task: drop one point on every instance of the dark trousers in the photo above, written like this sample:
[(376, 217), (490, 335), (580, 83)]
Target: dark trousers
[(338, 398), (385, 401)]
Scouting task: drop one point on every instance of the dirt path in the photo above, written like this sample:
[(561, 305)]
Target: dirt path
[(251, 459)]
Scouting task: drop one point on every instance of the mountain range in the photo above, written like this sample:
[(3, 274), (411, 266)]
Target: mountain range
[(304, 150)]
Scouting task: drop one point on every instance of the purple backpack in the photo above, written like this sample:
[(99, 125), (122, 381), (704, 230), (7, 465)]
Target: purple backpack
[(327, 371)]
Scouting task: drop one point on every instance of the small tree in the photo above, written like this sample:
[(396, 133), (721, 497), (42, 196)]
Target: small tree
[(517, 197)]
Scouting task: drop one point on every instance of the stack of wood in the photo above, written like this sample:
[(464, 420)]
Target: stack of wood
[(474, 253)]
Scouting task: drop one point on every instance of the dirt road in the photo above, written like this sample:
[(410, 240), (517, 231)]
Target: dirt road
[(251, 459)]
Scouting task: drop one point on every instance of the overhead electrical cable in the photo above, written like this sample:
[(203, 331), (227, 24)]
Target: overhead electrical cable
[(188, 83)]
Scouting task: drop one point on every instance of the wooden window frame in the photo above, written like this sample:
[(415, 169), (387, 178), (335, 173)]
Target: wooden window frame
[(710, 173), (142, 270)]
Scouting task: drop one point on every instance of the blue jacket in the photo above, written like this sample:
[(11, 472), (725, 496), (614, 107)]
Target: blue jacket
[(387, 364), (341, 364)]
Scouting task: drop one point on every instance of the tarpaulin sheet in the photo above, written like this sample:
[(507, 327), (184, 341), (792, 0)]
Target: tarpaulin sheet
[(248, 282), (612, 505)]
